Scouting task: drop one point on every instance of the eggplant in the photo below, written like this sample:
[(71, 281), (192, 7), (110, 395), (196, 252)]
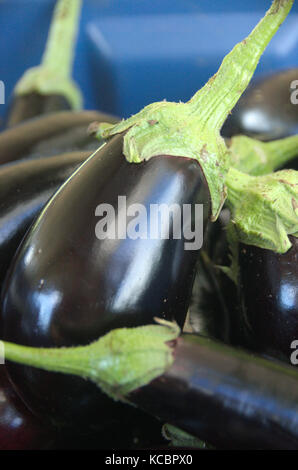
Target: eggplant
[(224, 396), (94, 285), (266, 111), (19, 429), (18, 141), (48, 88), (268, 286), (263, 243), (70, 283), (24, 190)]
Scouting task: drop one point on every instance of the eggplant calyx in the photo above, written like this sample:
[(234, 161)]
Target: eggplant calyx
[(46, 81), (259, 158), (119, 362), (192, 129), (264, 209), (53, 76)]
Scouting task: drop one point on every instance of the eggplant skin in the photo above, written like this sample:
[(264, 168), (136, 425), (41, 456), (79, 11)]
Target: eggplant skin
[(25, 188), (269, 299), (265, 111), (67, 287), (31, 105), (225, 396)]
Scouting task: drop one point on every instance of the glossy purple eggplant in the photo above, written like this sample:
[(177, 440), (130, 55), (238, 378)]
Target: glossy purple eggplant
[(266, 110), (268, 288), (19, 429), (25, 188), (225, 396), (68, 287)]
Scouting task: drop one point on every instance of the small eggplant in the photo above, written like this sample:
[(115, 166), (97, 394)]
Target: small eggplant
[(19, 429), (68, 285), (268, 286), (264, 244), (266, 110), (25, 188), (90, 285), (222, 395), (48, 87), (18, 141)]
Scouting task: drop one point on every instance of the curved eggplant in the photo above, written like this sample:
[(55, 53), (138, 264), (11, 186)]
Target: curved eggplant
[(75, 287), (25, 188), (18, 141), (266, 111), (268, 287)]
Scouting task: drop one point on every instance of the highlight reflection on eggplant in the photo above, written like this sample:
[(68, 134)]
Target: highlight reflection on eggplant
[(268, 286)]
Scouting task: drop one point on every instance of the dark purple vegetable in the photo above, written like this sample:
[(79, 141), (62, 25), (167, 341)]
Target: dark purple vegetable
[(20, 140), (268, 286), (263, 246), (89, 285), (266, 110), (25, 188), (19, 429), (68, 285), (224, 396)]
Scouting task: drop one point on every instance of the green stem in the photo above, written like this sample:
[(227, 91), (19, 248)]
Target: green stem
[(119, 362), (192, 129), (51, 359), (59, 51), (220, 94), (53, 76), (259, 158)]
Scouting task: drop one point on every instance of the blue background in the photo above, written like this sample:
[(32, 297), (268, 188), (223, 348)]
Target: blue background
[(132, 52)]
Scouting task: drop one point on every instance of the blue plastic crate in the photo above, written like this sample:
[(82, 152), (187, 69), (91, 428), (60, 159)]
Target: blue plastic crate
[(133, 52)]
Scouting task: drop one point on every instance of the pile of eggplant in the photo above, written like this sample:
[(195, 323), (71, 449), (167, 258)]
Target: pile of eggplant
[(106, 339)]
